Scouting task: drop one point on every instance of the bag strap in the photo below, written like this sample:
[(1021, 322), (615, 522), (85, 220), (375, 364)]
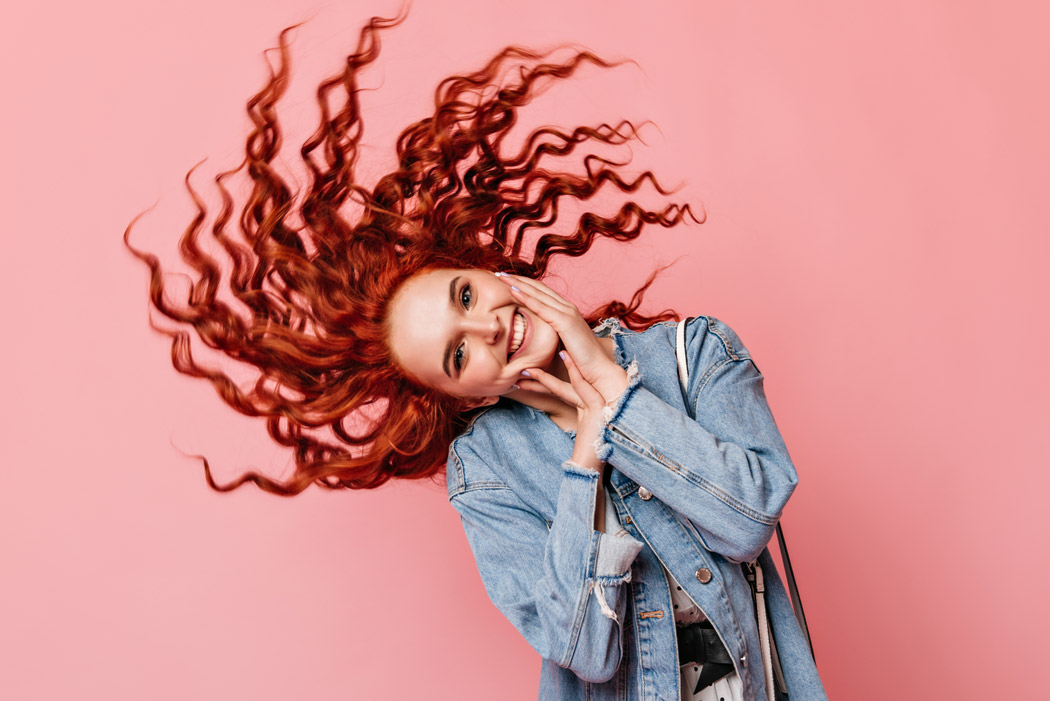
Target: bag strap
[(796, 600)]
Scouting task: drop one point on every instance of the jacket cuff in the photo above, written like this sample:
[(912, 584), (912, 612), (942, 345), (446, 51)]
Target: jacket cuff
[(616, 548), (614, 408)]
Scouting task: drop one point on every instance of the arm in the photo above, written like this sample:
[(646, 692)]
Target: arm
[(548, 582), (728, 470)]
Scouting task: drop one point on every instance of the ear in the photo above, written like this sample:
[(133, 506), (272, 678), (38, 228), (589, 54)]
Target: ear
[(475, 402)]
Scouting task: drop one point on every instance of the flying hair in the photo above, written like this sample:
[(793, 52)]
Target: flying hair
[(304, 298)]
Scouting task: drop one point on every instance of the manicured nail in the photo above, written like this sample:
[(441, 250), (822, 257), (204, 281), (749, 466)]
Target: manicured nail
[(526, 373), (515, 386), (499, 274), (515, 288), (562, 354)]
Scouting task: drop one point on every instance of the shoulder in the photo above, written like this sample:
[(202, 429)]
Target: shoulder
[(709, 343), (702, 331), (487, 442), (715, 339), (712, 348)]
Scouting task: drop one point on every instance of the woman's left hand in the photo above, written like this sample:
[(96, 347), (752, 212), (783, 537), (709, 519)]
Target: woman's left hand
[(590, 359)]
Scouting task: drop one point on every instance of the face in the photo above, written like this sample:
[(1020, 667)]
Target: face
[(461, 332)]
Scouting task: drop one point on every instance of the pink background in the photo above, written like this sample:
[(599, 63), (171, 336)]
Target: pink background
[(875, 179)]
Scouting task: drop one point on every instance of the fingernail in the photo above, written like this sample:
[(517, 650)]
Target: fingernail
[(562, 355), (515, 288), (526, 373), (515, 386)]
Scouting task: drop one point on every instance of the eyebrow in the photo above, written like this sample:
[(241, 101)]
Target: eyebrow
[(452, 306)]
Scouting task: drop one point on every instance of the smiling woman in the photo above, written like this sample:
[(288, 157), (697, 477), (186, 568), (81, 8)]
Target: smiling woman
[(574, 456), (463, 332)]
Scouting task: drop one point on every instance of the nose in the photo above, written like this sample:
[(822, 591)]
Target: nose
[(486, 328)]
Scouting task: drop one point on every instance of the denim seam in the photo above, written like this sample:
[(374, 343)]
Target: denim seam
[(706, 379), (460, 480), (659, 559), (461, 477), (695, 532), (632, 443), (626, 491), (689, 539), (727, 343), (483, 486), (581, 603)]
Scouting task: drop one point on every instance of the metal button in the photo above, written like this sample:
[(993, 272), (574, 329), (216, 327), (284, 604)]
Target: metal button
[(703, 575), (644, 494)]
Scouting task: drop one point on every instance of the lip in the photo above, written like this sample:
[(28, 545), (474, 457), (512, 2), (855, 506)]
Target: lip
[(524, 336)]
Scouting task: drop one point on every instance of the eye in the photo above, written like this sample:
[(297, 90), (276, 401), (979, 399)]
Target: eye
[(457, 358), (466, 296)]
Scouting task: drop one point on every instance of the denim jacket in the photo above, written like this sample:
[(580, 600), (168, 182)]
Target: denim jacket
[(697, 496)]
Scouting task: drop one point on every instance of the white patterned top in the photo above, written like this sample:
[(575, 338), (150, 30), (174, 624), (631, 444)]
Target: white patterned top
[(686, 612)]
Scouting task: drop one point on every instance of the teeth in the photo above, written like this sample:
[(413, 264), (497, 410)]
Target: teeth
[(519, 332)]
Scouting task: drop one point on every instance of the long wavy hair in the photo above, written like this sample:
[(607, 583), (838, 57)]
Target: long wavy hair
[(305, 291)]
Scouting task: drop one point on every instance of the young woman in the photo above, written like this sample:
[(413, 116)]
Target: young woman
[(609, 505)]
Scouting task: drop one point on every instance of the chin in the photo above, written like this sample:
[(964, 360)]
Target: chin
[(545, 362)]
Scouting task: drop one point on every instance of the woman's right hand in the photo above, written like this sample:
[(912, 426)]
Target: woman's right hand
[(589, 403), (600, 371)]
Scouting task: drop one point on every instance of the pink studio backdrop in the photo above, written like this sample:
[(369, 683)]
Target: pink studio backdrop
[(874, 177)]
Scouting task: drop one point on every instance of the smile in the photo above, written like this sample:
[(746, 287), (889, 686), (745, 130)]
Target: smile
[(519, 326)]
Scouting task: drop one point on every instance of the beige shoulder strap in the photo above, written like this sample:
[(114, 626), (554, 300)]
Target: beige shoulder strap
[(683, 366)]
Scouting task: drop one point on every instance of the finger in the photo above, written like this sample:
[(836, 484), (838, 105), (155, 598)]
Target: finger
[(541, 287), (565, 319), (576, 336), (535, 284), (532, 386), (556, 316), (584, 389), (559, 388), (536, 288)]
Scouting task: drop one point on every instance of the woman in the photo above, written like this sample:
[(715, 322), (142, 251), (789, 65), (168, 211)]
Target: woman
[(607, 522)]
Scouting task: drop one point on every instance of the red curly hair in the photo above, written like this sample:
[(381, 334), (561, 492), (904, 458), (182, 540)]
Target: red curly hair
[(313, 297)]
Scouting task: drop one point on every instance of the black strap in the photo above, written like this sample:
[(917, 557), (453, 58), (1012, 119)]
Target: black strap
[(700, 644), (796, 600)]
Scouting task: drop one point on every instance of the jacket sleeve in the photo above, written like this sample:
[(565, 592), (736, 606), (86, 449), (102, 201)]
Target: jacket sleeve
[(559, 585), (728, 470)]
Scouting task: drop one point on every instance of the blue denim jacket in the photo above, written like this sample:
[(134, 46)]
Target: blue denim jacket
[(697, 496)]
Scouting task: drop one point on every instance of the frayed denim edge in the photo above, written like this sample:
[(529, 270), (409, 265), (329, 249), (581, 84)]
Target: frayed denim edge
[(612, 408)]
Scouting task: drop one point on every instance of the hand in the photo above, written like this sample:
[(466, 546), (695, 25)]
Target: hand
[(596, 368), (592, 383), (589, 404)]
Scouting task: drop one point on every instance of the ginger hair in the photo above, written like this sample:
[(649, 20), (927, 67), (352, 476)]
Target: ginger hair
[(305, 298)]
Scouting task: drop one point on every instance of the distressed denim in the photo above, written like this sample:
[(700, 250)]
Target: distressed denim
[(697, 496)]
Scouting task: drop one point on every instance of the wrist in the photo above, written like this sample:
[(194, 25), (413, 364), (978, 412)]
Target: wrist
[(589, 461), (612, 383)]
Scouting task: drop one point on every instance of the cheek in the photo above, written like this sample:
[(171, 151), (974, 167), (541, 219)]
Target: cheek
[(549, 337), (546, 342), (484, 373)]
